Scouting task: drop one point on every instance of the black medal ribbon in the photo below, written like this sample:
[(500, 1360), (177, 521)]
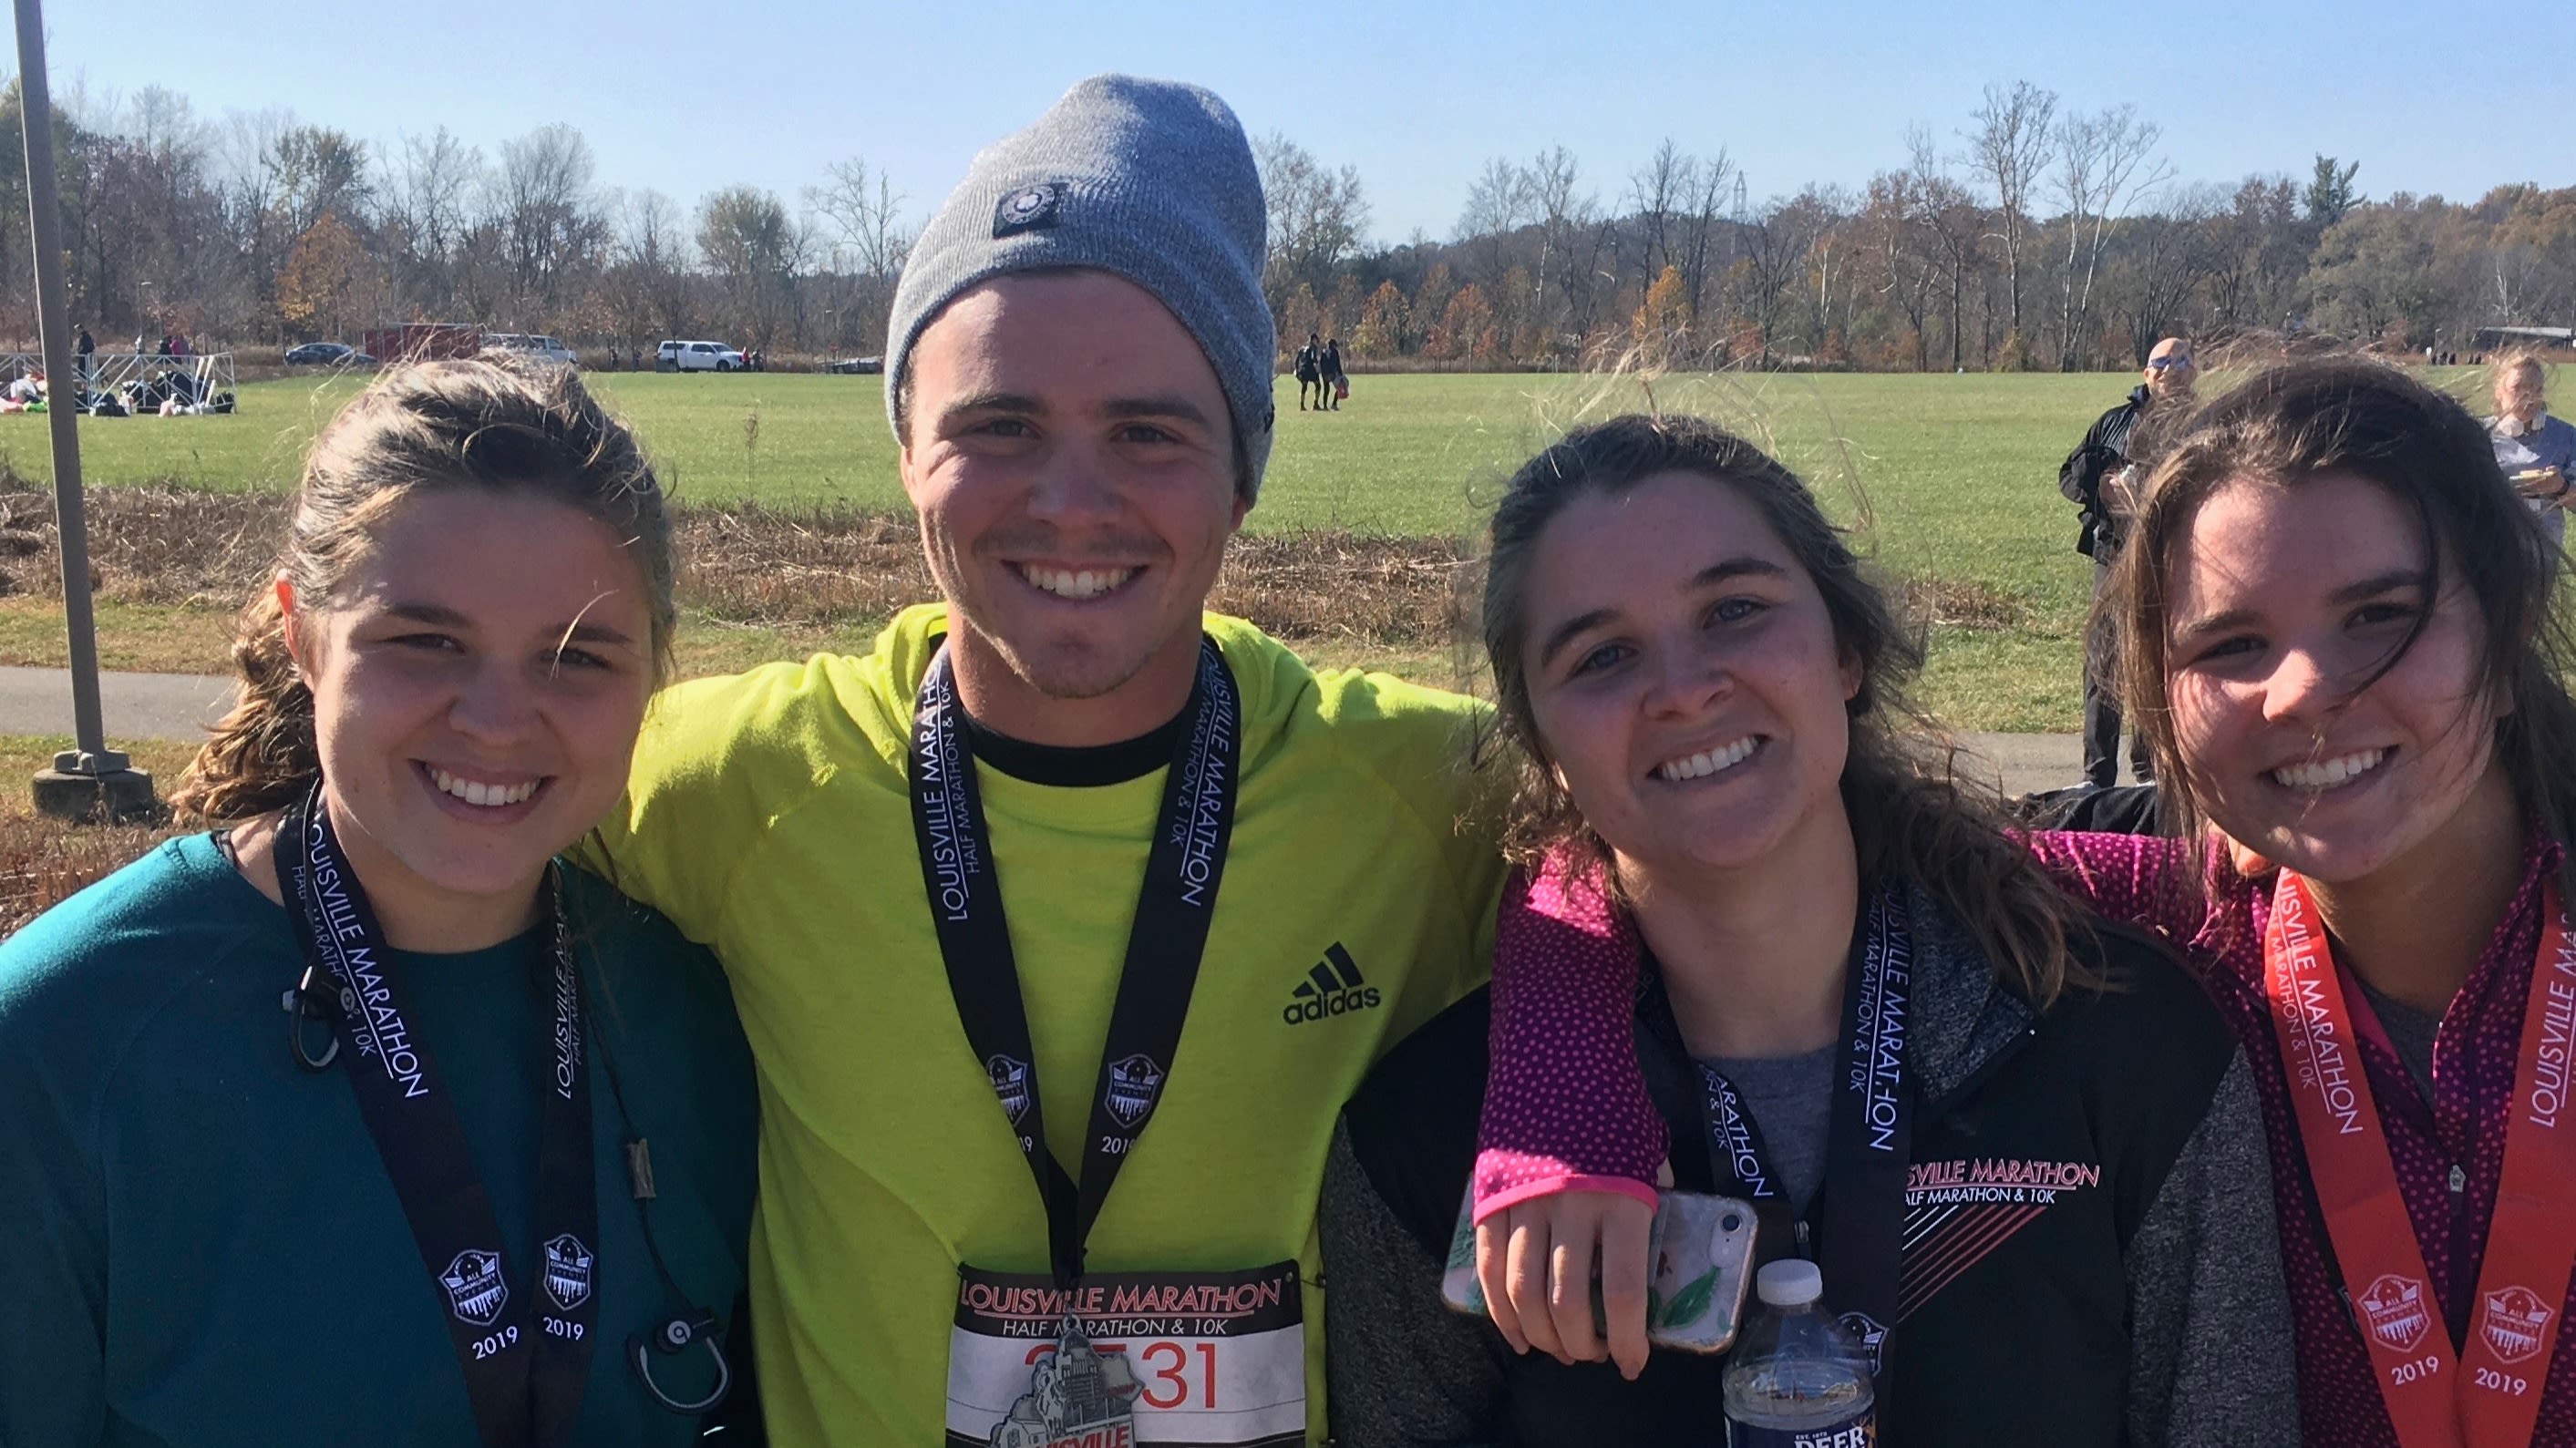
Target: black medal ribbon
[(1869, 1140), (1165, 945), (523, 1341)]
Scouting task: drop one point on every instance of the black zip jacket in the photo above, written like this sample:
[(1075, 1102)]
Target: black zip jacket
[(2104, 449), (2089, 1248)]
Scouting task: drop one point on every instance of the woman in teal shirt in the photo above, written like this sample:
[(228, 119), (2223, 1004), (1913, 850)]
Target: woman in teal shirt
[(361, 1119)]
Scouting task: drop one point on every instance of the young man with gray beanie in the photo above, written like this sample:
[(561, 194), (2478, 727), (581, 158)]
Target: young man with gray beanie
[(1063, 923)]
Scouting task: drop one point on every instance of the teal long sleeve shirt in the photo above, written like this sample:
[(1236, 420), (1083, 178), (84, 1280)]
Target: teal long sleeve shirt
[(198, 1239)]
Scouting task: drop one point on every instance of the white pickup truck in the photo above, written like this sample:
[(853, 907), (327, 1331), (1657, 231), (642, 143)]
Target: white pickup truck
[(697, 357)]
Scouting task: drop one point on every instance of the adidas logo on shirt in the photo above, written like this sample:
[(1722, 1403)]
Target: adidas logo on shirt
[(1332, 988)]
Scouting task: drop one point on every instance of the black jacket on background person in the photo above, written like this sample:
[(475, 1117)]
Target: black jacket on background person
[(2143, 1305), (2104, 449)]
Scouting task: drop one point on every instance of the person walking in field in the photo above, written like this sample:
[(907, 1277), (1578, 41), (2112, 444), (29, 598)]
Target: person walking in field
[(1310, 372), (1335, 386), (2099, 477)]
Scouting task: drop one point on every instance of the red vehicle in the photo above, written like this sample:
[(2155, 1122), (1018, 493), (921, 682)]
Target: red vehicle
[(423, 341)]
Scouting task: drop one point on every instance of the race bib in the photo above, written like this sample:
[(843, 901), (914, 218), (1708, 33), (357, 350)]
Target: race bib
[(1185, 1358)]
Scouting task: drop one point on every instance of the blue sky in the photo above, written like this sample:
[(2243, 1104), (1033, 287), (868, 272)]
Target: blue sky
[(685, 97)]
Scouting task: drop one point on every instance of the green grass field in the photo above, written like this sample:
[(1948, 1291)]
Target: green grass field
[(1947, 478)]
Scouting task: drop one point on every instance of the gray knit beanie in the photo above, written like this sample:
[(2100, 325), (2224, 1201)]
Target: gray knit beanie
[(1151, 180)]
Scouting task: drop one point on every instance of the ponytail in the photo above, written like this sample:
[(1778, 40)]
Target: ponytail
[(263, 755)]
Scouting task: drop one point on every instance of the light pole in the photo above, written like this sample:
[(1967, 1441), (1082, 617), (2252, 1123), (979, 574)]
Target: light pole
[(89, 780)]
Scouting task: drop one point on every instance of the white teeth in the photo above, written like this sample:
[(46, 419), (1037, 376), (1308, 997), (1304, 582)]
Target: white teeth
[(1066, 583), (2326, 774), (489, 796), (1708, 762)]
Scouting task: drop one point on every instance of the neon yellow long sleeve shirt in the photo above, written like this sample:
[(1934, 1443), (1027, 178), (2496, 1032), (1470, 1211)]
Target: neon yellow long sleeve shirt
[(769, 818)]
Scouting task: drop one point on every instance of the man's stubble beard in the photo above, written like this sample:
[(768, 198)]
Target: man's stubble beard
[(1090, 675)]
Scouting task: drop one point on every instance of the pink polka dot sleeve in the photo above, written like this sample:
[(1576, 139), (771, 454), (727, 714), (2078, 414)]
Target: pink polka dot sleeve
[(2141, 880), (1565, 1105)]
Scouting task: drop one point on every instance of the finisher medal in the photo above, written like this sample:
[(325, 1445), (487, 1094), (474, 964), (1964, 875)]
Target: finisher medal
[(1077, 1398)]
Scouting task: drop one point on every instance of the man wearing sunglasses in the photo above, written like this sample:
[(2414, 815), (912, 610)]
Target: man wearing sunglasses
[(2100, 477)]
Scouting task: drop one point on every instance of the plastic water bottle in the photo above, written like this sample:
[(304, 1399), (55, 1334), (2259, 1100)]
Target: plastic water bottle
[(1797, 1377)]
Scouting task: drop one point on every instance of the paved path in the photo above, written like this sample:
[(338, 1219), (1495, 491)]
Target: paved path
[(179, 706), (135, 706)]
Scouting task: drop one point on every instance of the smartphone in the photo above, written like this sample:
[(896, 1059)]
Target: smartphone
[(1702, 1250)]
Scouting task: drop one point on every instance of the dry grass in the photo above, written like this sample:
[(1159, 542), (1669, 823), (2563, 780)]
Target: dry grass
[(829, 568), (1963, 603), (43, 860)]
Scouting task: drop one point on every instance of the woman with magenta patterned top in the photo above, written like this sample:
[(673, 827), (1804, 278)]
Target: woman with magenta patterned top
[(2041, 1215), (2343, 646)]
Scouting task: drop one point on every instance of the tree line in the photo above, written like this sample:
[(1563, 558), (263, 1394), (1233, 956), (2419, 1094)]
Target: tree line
[(2033, 234), (263, 228)]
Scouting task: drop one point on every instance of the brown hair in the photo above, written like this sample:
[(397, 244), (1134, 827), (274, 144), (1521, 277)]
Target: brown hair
[(503, 425), (2352, 416), (1913, 817)]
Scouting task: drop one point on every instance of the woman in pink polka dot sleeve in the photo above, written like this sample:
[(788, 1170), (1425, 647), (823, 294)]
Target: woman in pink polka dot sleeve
[(2343, 644)]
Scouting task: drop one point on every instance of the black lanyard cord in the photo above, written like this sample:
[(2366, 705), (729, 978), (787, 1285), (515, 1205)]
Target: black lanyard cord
[(524, 1344), (1165, 944), (1869, 1138)]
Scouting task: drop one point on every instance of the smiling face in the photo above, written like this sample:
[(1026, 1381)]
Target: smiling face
[(478, 680), (2285, 601), (1684, 676), (2170, 371), (1071, 457)]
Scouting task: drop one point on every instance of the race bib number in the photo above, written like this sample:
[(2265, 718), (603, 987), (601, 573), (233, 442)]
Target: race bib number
[(1183, 1358)]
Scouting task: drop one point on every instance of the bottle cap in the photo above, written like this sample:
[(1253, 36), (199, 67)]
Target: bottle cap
[(1790, 1282)]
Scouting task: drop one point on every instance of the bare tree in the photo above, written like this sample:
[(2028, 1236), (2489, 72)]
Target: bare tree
[(425, 214), (1947, 229), (864, 214), (1717, 191), (862, 220), (1498, 206), (756, 252), (2010, 149), (2105, 162), (2175, 252), (430, 190), (548, 212), (1657, 193), (1564, 218), (649, 278), (1317, 215)]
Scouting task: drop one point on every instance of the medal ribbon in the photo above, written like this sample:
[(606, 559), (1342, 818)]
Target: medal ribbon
[(1165, 944), (524, 1372), (2488, 1396), (1869, 1139)]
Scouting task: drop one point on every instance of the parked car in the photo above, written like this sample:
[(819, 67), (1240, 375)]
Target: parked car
[(327, 354), (855, 365), (697, 357), (529, 344)]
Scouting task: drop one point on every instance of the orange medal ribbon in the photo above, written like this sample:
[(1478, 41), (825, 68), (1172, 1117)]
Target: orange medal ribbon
[(2489, 1396)]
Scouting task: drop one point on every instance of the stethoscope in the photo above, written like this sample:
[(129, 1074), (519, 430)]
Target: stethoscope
[(316, 998)]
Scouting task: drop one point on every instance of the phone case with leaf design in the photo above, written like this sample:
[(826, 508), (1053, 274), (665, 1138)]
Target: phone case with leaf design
[(1702, 1250)]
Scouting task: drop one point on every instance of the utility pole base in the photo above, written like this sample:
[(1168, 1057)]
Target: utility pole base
[(117, 796)]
